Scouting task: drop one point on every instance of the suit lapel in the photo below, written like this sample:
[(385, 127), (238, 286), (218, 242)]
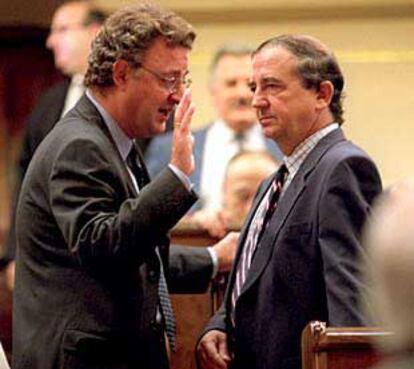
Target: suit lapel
[(87, 110), (264, 187), (285, 206)]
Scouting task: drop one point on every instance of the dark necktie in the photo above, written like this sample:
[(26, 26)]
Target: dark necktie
[(134, 163), (255, 232)]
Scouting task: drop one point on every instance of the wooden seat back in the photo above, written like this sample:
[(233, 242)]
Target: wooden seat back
[(340, 347)]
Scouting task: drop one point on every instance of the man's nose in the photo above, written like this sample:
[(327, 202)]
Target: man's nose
[(49, 41), (177, 94), (258, 101)]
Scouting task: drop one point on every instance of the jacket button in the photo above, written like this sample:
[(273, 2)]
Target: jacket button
[(152, 276), (155, 326)]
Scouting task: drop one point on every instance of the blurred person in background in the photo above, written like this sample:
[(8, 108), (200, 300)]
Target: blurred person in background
[(74, 26), (389, 239), (244, 173)]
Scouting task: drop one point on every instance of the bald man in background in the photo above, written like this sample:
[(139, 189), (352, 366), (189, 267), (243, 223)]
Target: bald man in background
[(244, 174)]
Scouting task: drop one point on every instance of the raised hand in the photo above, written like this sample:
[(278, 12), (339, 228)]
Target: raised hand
[(183, 140)]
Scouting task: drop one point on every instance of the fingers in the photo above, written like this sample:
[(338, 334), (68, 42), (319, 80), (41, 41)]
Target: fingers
[(184, 112), (224, 351), (212, 351), (182, 147)]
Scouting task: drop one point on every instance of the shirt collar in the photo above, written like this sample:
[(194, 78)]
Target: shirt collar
[(122, 141), (294, 161), (77, 79)]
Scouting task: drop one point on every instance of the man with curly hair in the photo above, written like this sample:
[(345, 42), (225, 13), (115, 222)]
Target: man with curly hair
[(92, 257)]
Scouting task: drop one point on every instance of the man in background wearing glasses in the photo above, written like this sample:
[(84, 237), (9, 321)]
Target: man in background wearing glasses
[(92, 258)]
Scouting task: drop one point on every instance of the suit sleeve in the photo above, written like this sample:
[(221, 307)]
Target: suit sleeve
[(343, 208), (87, 197), (190, 269)]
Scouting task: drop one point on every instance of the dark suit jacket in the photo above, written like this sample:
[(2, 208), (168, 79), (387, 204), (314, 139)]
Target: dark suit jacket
[(86, 270), (43, 118), (158, 154), (306, 265)]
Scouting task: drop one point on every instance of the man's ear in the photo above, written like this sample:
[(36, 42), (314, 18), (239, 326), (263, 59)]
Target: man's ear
[(121, 73), (325, 94)]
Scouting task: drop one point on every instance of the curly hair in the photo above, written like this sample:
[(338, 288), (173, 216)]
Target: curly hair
[(316, 63), (128, 34)]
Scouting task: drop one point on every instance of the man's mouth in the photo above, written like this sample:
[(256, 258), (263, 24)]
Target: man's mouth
[(165, 112), (266, 119)]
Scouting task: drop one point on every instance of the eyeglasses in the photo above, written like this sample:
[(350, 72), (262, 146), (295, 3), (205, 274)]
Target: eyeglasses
[(173, 83)]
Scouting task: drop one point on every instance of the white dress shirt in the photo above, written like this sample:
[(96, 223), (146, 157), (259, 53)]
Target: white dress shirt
[(75, 91), (220, 146)]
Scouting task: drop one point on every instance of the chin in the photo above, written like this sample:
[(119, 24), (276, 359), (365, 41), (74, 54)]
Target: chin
[(159, 128), (269, 133)]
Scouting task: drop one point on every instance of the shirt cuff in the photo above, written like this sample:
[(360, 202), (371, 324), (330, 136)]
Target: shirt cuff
[(214, 260), (182, 177)]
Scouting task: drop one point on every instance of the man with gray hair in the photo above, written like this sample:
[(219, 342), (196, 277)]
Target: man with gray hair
[(92, 257), (299, 250)]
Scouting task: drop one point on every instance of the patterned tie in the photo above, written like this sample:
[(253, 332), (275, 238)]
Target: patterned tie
[(166, 308), (258, 225), (134, 162)]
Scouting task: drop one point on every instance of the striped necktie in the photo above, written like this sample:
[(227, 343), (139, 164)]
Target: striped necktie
[(256, 229)]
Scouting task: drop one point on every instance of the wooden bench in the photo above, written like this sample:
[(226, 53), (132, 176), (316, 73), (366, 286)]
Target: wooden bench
[(340, 347)]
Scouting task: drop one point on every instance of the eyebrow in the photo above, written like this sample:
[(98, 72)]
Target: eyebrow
[(271, 79)]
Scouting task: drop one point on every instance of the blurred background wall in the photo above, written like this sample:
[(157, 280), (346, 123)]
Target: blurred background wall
[(373, 40)]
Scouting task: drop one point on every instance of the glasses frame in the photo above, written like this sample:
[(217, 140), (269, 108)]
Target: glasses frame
[(172, 84)]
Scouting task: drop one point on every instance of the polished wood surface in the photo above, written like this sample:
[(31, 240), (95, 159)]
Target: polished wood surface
[(192, 311), (340, 347)]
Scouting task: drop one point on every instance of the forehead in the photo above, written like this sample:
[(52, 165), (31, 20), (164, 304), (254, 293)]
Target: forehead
[(70, 14), (274, 61), (166, 58), (233, 66)]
